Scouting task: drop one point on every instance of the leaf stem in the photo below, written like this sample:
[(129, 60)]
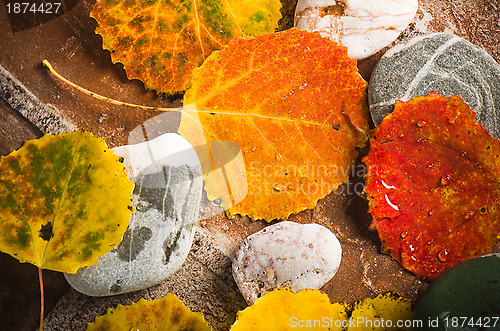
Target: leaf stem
[(98, 96), (42, 298)]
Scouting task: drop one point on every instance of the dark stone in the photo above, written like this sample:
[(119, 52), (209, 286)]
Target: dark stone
[(466, 297)]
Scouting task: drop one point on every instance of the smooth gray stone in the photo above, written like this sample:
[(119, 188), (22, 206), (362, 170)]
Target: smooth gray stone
[(166, 198), (437, 62)]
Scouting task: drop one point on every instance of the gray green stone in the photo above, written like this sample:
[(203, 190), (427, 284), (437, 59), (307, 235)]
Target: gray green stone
[(466, 297), (439, 62)]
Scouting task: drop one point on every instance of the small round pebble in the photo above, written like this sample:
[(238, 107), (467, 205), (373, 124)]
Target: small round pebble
[(286, 254), (444, 63)]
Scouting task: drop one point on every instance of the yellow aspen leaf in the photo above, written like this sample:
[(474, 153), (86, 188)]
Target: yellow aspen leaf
[(295, 104), (283, 309), (64, 201), (387, 311), (167, 313), (161, 42)]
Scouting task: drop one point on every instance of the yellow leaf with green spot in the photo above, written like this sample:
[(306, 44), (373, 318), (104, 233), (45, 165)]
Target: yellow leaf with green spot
[(64, 201), (161, 42), (283, 309), (167, 313)]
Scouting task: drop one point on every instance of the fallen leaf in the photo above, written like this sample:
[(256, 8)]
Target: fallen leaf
[(161, 42), (387, 311), (64, 201), (295, 104), (166, 313), (283, 309), (433, 185)]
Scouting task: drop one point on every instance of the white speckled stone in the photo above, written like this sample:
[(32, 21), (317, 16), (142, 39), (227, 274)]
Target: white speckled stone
[(437, 62), (286, 254), (166, 197), (363, 26)]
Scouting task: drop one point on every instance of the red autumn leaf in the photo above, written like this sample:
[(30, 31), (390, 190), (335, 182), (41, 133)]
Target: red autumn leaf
[(433, 185)]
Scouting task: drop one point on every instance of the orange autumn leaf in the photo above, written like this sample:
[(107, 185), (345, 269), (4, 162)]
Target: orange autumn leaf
[(433, 184), (162, 42), (295, 104)]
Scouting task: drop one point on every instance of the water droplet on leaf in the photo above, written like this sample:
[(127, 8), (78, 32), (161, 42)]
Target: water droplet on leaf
[(445, 180), (443, 255), (403, 234), (430, 212), (421, 123), (387, 186), (469, 215), (278, 187)]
